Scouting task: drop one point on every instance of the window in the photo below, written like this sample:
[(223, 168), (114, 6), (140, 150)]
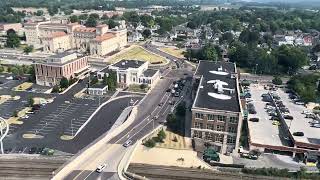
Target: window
[(232, 129), (199, 115), (210, 126), (209, 136), (220, 128), (198, 125), (219, 138), (231, 140), (210, 117), (197, 134), (233, 120), (222, 118)]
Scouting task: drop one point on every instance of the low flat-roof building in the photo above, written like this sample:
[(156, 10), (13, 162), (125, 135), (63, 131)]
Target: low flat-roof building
[(134, 72), (216, 111), (67, 64)]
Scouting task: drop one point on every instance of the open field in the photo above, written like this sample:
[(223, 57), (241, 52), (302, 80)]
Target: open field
[(138, 53), (173, 51)]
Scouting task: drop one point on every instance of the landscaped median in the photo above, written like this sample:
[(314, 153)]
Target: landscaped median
[(23, 87), (138, 53)]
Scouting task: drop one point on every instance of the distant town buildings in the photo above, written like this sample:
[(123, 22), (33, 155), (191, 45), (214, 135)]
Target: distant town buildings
[(216, 111), (66, 64), (54, 37)]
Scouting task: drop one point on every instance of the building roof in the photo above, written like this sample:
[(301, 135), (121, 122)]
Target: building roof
[(125, 64), (105, 70), (218, 87), (149, 72), (61, 54), (104, 37), (58, 34), (85, 29)]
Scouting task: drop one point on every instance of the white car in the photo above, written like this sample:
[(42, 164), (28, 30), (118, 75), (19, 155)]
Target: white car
[(25, 117), (9, 78), (127, 143), (100, 168)]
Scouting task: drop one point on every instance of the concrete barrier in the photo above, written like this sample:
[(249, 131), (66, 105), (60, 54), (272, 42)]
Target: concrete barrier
[(89, 151)]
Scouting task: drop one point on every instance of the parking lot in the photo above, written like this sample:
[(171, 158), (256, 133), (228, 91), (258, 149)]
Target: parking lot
[(300, 122), (265, 131), (9, 106)]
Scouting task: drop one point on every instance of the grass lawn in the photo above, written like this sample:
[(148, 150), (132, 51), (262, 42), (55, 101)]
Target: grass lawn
[(23, 86), (136, 88), (174, 141), (138, 53), (173, 51)]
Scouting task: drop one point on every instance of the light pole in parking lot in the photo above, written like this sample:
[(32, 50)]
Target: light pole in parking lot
[(72, 127), (3, 125)]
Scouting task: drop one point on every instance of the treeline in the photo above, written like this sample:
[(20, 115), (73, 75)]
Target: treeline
[(258, 19), (306, 86), (7, 15)]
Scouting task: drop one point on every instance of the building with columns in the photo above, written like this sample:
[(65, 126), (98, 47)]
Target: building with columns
[(66, 64), (216, 111)]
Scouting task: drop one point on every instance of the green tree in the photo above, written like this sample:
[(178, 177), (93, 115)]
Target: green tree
[(13, 39), (161, 135), (150, 143), (191, 25), (74, 19), (30, 101), (172, 122), (64, 83), (39, 13), (112, 81), (291, 58), (112, 24), (91, 22), (105, 79), (15, 113), (210, 53), (181, 109), (28, 49), (146, 33), (277, 80), (1, 69)]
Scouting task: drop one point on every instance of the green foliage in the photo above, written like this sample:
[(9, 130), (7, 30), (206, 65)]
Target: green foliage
[(150, 143), (281, 173), (181, 109), (94, 80), (161, 135), (146, 33), (1, 68), (291, 58), (305, 86), (15, 113), (28, 49), (91, 22), (277, 80), (30, 101), (112, 24), (112, 81), (248, 36), (13, 39), (143, 86), (39, 13), (64, 83), (55, 89), (74, 19)]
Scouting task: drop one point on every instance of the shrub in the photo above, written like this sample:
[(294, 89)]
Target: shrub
[(277, 80), (161, 135), (55, 89), (150, 143)]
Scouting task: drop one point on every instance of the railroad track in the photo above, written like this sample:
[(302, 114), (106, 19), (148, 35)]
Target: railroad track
[(177, 173)]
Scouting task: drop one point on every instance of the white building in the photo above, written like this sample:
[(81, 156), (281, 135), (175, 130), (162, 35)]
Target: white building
[(134, 72)]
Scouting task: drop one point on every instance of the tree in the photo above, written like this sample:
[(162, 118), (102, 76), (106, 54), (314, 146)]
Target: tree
[(64, 83), (277, 80), (39, 13), (191, 25), (91, 22), (74, 19), (53, 10), (172, 122), (112, 24), (150, 143), (112, 81), (228, 37), (30, 101), (161, 135), (15, 113), (146, 33), (13, 39), (28, 49), (210, 53), (105, 79), (291, 58), (1, 69), (181, 109), (143, 86)]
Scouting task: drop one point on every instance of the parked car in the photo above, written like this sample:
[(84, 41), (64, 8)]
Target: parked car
[(298, 134), (288, 117), (299, 102), (254, 119)]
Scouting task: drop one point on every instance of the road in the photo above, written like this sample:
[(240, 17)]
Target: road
[(112, 153)]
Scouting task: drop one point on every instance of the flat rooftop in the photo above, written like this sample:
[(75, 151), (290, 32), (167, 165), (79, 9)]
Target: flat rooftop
[(300, 123), (218, 87), (125, 64), (263, 132), (149, 72)]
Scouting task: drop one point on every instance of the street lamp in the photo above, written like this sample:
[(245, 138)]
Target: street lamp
[(3, 134)]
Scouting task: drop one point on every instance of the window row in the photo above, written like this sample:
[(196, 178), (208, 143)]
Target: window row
[(231, 129), (221, 118)]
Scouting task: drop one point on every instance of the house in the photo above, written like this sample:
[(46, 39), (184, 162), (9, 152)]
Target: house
[(284, 40), (216, 110), (135, 37), (97, 89)]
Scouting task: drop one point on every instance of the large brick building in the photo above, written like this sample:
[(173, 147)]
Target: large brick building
[(216, 111), (54, 37), (50, 72)]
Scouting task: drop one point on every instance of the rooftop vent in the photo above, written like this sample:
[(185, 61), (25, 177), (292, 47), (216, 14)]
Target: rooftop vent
[(220, 69)]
